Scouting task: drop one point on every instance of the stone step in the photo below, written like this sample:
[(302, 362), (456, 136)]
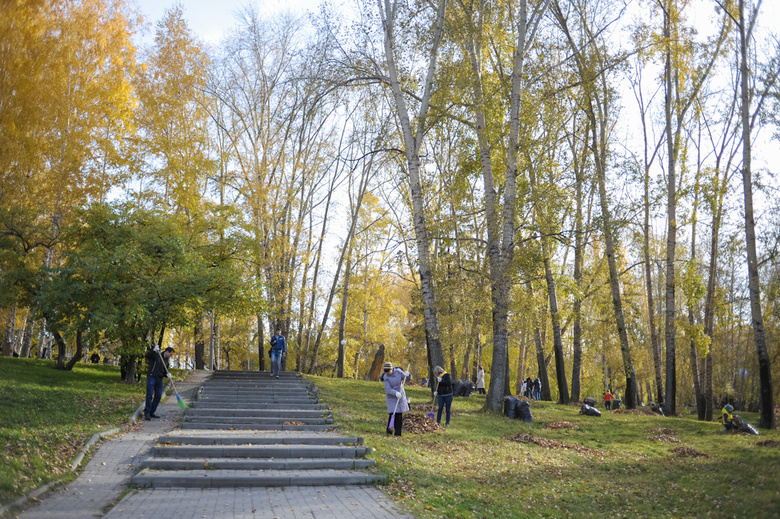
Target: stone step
[(287, 376), (296, 464), (259, 451), (251, 478), (238, 433), (259, 381), (258, 391), (260, 399), (256, 427), (206, 404), (260, 413), (252, 438), (260, 420)]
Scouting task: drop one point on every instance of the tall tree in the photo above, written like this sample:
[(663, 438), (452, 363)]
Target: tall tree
[(648, 158), (413, 133), (172, 119), (500, 215), (592, 62), (745, 25)]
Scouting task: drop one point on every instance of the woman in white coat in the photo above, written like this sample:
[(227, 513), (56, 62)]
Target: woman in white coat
[(396, 396)]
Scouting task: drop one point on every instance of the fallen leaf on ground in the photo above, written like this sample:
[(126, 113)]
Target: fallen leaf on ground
[(563, 424), (688, 452), (664, 438), (554, 444), (419, 424)]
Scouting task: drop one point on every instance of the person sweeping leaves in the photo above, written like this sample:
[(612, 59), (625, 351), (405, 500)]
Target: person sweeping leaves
[(395, 395), (158, 370)]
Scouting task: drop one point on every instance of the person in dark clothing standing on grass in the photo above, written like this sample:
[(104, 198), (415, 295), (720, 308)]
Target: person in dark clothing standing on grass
[(444, 391), (278, 351), (158, 370)]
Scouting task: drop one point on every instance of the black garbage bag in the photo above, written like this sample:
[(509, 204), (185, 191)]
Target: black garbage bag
[(510, 406), (523, 409), (462, 388), (456, 387), (590, 401), (589, 410), (657, 410)]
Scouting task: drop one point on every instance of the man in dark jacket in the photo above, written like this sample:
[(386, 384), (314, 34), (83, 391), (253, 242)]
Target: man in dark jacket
[(158, 370), (278, 352)]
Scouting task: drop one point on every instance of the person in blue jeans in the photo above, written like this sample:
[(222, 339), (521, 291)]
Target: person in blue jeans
[(444, 391), (278, 351), (537, 389), (158, 370)]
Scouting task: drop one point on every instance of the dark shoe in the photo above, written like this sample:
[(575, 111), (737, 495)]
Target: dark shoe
[(146, 417), (154, 415)]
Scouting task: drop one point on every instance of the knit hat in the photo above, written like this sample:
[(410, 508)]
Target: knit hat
[(388, 365)]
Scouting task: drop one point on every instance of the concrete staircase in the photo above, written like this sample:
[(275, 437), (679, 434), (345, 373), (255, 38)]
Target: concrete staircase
[(247, 429)]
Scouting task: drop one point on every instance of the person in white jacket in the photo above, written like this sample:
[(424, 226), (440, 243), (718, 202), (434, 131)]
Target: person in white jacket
[(480, 381), (397, 404)]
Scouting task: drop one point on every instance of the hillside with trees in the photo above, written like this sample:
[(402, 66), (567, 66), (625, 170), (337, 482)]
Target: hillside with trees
[(579, 190)]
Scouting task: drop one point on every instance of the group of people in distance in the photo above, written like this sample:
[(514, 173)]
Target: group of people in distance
[(532, 388)]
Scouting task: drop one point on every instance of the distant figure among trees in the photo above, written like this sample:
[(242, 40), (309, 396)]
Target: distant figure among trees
[(480, 381), (278, 351)]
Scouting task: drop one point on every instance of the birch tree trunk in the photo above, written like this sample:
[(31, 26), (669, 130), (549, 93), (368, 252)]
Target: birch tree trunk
[(29, 330), (670, 328), (412, 145), (697, 382), (560, 369), (655, 347), (343, 316), (597, 108), (767, 420), (10, 332)]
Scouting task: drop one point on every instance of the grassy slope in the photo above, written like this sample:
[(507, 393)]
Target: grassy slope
[(47, 415), (613, 467)]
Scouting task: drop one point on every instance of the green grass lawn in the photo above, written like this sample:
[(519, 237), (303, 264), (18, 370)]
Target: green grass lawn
[(619, 465), (47, 415)]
